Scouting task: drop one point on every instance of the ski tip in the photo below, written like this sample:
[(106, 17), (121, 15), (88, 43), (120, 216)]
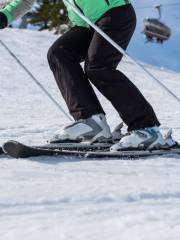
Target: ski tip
[(12, 148)]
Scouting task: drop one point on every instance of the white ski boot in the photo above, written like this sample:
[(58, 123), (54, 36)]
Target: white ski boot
[(117, 133), (169, 140), (142, 139), (91, 129)]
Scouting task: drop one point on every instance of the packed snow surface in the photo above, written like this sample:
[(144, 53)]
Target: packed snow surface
[(70, 199)]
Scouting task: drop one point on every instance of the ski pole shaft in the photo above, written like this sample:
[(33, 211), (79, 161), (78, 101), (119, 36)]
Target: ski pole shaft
[(35, 80), (119, 48)]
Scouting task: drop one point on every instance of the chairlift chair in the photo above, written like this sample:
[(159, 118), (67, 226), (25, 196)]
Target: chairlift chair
[(154, 29)]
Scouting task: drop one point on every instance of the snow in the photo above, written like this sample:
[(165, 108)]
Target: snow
[(65, 198)]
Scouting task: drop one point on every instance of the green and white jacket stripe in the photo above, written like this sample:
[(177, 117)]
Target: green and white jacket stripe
[(17, 8)]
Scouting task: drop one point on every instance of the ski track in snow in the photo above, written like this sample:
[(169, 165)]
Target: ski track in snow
[(66, 198)]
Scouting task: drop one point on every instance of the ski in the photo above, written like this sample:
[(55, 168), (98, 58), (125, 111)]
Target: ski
[(1, 151), (18, 150)]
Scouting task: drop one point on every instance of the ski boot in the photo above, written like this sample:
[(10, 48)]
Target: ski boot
[(169, 140), (93, 129), (117, 133), (144, 139)]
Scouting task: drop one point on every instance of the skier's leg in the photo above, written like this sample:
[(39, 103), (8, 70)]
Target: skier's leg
[(119, 24), (64, 58)]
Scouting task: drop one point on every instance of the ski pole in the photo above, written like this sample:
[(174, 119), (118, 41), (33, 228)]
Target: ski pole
[(119, 48), (35, 80)]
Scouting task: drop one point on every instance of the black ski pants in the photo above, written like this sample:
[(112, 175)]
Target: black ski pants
[(101, 60)]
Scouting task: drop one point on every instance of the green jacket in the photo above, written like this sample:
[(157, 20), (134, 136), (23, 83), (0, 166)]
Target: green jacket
[(93, 9)]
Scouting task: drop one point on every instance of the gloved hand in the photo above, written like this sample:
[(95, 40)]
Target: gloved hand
[(3, 20)]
